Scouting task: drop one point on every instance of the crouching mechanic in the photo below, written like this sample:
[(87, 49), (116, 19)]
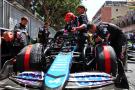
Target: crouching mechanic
[(116, 38)]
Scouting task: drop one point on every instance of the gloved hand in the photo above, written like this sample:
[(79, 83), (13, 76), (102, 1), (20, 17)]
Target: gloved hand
[(74, 29)]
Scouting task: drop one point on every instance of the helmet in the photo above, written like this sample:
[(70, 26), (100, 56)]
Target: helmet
[(69, 16)]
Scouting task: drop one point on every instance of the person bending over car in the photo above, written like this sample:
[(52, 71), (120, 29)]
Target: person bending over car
[(114, 36)]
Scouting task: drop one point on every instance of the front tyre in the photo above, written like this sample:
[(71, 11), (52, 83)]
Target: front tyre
[(106, 60)]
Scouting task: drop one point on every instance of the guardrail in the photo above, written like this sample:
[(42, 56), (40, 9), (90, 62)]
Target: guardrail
[(5, 29), (11, 14)]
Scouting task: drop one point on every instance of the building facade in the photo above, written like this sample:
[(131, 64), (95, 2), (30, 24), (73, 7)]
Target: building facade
[(110, 11)]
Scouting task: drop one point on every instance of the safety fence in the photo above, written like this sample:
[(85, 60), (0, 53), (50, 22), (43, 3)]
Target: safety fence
[(11, 13)]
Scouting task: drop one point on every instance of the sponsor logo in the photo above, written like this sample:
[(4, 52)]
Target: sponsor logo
[(56, 81), (90, 80)]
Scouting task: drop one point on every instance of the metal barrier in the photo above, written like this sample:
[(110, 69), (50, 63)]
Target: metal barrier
[(11, 14)]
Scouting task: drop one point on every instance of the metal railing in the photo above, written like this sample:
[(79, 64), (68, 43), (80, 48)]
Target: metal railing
[(11, 13)]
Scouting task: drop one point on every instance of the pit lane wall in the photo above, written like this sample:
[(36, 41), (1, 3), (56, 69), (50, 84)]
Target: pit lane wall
[(11, 13)]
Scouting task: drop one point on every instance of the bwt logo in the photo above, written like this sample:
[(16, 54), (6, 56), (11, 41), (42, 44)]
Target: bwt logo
[(55, 81)]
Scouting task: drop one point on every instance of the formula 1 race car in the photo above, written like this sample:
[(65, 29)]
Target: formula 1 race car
[(60, 66)]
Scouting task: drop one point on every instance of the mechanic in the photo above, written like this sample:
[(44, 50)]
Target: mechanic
[(44, 33), (112, 34), (21, 36), (21, 28), (82, 28)]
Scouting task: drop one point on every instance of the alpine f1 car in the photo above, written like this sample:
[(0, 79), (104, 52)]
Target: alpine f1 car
[(60, 66)]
